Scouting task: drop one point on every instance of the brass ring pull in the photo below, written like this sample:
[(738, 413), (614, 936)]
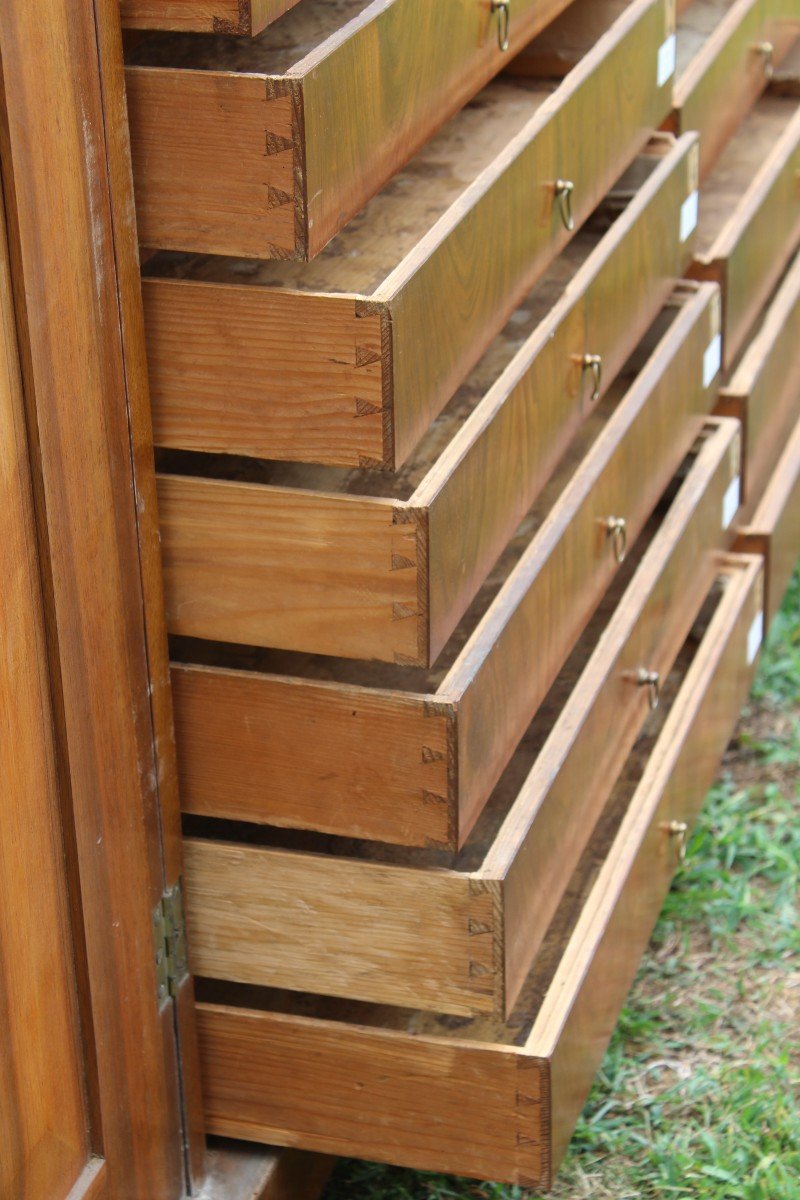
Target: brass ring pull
[(652, 681), (767, 52), (503, 9), (563, 192), (617, 530), (680, 831), (594, 363)]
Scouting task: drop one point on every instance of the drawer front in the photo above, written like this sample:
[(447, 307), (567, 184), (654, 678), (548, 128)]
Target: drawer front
[(242, 17), (755, 245), (765, 389), (305, 942), (386, 81), (515, 653), (490, 1108), (574, 1027), (577, 768), (448, 302), (774, 528), (726, 77), (474, 502)]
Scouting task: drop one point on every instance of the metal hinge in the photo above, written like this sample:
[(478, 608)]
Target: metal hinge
[(169, 939)]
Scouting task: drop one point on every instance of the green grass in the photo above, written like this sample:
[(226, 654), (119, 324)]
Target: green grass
[(699, 1094)]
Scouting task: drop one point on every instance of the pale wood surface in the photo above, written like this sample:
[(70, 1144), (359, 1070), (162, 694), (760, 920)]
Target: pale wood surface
[(475, 1097), (721, 73), (750, 215), (418, 717), (547, 828), (513, 655), (242, 17), (440, 258), (765, 387), (773, 530), (432, 940), (417, 62), (577, 1018), (400, 577)]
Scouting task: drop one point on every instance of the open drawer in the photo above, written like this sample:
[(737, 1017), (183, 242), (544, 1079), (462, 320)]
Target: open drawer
[(484, 1098), (726, 52), (773, 530), (242, 17), (268, 147), (439, 740), (764, 392), (231, 17), (749, 224), (398, 309), (459, 934), (403, 556)]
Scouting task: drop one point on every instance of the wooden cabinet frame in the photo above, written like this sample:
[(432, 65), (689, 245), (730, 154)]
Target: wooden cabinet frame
[(82, 449)]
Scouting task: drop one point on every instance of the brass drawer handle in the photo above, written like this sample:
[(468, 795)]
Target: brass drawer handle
[(680, 831), (563, 192), (594, 363), (503, 10), (652, 681), (767, 52), (617, 530)]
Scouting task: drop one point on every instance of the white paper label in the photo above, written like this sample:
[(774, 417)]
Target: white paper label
[(755, 637), (712, 359), (689, 215), (666, 60), (731, 501)]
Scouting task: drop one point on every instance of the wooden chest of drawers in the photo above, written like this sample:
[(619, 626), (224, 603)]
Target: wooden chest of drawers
[(478, 453)]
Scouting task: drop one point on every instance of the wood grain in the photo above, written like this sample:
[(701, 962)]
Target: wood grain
[(242, 727), (434, 939), (514, 654), (750, 216), (243, 17), (418, 63), (234, 570), (440, 260), (773, 530), (547, 828), (724, 76), (578, 1016), (476, 1100), (61, 178), (765, 388), (43, 1111)]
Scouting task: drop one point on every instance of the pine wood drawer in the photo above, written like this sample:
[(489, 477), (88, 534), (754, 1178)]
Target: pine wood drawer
[(497, 1101), (438, 741), (764, 391), (749, 221), (401, 306), (400, 573), (242, 17), (339, 95), (725, 54), (460, 934), (773, 530)]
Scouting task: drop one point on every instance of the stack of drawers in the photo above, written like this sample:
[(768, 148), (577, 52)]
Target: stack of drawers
[(477, 406)]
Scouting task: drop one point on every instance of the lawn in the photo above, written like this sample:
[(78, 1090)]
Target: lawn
[(699, 1094)]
